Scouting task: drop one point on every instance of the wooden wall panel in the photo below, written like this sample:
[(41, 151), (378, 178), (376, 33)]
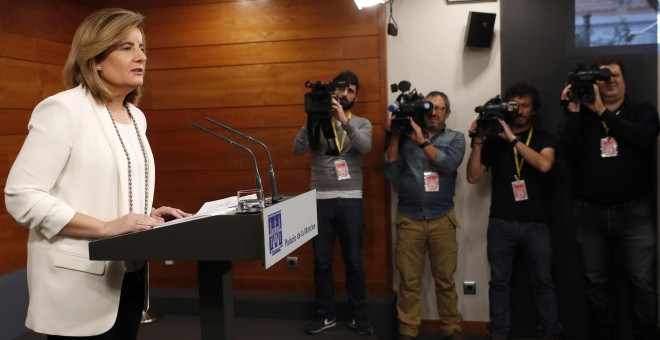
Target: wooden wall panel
[(256, 21), (342, 48), (243, 63), (251, 85), (50, 20), (23, 84)]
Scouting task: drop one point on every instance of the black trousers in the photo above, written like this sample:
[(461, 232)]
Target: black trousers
[(131, 303)]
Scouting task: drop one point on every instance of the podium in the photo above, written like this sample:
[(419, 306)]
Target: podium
[(213, 242)]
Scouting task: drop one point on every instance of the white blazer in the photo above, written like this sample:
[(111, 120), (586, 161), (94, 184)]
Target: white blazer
[(71, 161)]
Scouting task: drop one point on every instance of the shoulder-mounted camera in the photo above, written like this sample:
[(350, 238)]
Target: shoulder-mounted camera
[(490, 113), (318, 105), (409, 104), (582, 80)]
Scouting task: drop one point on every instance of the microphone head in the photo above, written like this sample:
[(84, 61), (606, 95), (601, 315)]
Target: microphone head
[(393, 106)]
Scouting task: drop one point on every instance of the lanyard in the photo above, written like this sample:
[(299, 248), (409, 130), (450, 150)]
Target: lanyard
[(607, 129), (520, 162), (343, 138)]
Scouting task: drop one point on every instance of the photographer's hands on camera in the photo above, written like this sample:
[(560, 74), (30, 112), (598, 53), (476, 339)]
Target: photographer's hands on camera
[(505, 134), (573, 106), (338, 111)]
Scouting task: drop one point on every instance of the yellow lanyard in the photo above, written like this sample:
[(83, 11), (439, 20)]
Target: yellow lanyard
[(519, 163), (343, 138), (607, 129)]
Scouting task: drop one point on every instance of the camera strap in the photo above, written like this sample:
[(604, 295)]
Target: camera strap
[(340, 145), (521, 161)]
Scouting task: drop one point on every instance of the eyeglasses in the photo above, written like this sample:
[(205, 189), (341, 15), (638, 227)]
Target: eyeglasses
[(439, 109)]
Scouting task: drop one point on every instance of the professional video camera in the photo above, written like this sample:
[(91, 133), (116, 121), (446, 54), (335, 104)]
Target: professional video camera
[(488, 124), (318, 105), (408, 105), (582, 81)]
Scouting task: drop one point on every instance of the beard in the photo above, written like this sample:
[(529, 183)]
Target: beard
[(346, 105), (519, 121)]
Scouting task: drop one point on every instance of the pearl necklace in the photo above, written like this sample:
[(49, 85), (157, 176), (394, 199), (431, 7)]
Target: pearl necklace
[(128, 160)]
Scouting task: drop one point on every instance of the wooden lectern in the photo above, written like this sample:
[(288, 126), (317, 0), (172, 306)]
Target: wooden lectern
[(214, 242)]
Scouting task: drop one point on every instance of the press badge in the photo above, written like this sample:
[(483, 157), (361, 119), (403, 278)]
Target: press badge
[(431, 181), (519, 190), (609, 147), (341, 168)]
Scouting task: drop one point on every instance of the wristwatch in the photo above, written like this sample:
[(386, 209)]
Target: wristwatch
[(425, 143), (515, 141)]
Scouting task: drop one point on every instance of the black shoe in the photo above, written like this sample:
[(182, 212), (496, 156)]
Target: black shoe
[(363, 327), (321, 323)]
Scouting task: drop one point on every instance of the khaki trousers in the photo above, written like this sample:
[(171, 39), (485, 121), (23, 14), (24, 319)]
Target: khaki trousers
[(414, 237)]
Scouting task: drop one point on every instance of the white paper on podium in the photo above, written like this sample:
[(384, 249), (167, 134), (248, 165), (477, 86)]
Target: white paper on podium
[(212, 208)]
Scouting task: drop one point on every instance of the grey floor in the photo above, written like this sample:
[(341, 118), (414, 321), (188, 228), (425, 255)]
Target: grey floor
[(187, 327), (264, 315)]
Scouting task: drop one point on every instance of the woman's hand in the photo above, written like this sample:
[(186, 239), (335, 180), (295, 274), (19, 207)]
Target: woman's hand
[(168, 213), (130, 223)]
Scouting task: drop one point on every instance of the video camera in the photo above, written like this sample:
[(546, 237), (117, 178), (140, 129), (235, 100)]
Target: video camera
[(582, 80), (318, 105), (488, 124), (407, 105)]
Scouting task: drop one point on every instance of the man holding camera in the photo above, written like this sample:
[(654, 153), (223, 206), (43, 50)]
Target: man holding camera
[(337, 177), (425, 162), (609, 143), (520, 156)]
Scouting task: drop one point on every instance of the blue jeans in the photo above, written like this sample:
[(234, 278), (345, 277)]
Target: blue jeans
[(504, 237), (344, 218), (630, 229)]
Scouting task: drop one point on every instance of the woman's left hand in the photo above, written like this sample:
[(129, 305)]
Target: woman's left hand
[(168, 213)]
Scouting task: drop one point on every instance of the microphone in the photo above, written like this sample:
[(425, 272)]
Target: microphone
[(257, 178), (273, 185), (393, 106)]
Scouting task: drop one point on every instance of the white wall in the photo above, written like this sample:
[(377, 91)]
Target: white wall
[(430, 52)]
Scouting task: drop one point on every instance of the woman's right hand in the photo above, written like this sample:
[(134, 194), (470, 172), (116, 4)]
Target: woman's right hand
[(130, 223)]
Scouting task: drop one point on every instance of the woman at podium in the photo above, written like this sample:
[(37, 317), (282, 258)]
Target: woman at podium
[(85, 172)]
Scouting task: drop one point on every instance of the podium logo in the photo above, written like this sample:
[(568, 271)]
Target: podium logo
[(275, 232)]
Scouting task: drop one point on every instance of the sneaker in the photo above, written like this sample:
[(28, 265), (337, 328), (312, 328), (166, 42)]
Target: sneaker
[(363, 327), (320, 324)]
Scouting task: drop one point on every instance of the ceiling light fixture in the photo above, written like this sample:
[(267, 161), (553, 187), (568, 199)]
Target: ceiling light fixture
[(368, 3)]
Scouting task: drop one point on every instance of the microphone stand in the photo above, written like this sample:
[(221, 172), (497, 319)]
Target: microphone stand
[(257, 178), (147, 316), (271, 171)]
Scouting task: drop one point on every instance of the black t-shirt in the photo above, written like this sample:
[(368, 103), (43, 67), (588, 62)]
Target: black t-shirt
[(498, 155)]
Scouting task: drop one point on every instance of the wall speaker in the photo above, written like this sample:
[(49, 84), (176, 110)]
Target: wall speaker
[(479, 32)]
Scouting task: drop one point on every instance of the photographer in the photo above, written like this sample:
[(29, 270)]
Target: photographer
[(609, 143), (338, 182), (520, 158), (425, 162)]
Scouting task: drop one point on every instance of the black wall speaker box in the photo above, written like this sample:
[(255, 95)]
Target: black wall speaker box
[(479, 32)]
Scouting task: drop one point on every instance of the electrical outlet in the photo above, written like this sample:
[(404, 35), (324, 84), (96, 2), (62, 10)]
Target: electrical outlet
[(169, 262), (292, 262), (469, 287)]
